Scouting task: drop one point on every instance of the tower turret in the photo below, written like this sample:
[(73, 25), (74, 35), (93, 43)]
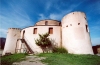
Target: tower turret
[(75, 33), (13, 35)]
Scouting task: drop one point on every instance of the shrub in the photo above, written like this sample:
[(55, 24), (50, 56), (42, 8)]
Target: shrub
[(43, 41), (59, 50)]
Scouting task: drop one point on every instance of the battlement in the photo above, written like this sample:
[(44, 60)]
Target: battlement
[(15, 28)]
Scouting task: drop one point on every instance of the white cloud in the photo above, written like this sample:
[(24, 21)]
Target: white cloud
[(56, 16), (48, 5), (42, 17), (57, 6), (17, 17), (14, 21), (51, 16), (14, 17), (59, 16)]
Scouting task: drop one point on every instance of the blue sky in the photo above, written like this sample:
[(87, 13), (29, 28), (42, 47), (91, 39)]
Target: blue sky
[(24, 13)]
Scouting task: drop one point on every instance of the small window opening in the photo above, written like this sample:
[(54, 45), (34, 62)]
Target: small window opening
[(23, 34), (46, 22), (86, 28), (60, 24), (50, 30), (67, 26), (85, 18), (70, 24), (78, 23), (35, 31), (15, 35), (23, 31)]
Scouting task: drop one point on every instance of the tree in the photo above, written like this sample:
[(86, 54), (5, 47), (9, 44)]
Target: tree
[(43, 41)]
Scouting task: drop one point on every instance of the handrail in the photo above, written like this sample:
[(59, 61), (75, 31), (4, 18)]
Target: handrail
[(26, 40)]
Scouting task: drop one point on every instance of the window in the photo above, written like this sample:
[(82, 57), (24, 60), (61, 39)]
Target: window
[(70, 24), (78, 23), (35, 31), (15, 35), (60, 24), (50, 30), (46, 22), (86, 28), (23, 34), (85, 18)]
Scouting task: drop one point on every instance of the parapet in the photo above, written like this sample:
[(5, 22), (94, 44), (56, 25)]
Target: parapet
[(15, 28), (47, 23), (75, 17), (76, 12)]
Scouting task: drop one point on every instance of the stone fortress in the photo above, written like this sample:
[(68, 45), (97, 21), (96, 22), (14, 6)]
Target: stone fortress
[(72, 33)]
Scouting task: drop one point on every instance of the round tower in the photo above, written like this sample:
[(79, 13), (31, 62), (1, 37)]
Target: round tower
[(75, 34), (13, 35)]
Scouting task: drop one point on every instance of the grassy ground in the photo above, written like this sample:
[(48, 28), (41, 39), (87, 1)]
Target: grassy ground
[(70, 59), (56, 59), (8, 60)]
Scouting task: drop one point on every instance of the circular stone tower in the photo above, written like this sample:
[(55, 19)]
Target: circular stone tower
[(75, 34), (13, 35)]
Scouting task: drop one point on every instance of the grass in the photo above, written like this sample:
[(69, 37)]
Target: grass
[(70, 59), (8, 60), (56, 59), (59, 50)]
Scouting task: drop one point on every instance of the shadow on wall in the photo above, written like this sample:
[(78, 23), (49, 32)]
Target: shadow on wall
[(49, 49), (54, 44)]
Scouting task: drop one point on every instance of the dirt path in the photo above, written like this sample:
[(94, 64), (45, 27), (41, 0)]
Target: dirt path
[(30, 60)]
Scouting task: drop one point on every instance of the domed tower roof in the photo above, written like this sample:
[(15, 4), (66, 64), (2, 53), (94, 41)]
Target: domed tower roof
[(47, 22)]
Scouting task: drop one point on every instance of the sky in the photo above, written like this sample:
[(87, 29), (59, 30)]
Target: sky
[(24, 13)]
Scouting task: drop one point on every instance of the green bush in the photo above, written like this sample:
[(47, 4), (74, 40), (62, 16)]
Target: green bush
[(59, 50), (43, 40)]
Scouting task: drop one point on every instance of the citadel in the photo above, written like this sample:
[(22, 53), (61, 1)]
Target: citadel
[(72, 33)]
